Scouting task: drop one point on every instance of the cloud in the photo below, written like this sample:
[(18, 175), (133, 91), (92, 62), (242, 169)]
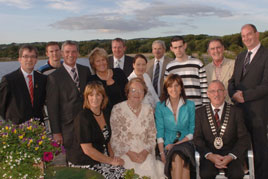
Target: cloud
[(22, 4), (141, 17), (67, 5)]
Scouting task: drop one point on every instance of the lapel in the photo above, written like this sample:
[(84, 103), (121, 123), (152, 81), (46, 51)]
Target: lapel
[(82, 77), (254, 61), (225, 69), (23, 89), (66, 76), (36, 88), (150, 68), (240, 65)]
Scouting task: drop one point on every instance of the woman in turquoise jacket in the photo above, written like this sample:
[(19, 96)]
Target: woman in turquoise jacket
[(175, 122)]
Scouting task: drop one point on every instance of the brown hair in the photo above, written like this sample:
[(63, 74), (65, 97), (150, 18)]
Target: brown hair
[(138, 80), (171, 78), (90, 87), (119, 40), (97, 52), (139, 56), (28, 47), (52, 44)]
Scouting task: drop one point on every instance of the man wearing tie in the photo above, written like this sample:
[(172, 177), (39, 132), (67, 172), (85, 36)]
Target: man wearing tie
[(248, 88), (220, 135), (65, 88), (157, 66), (119, 59), (22, 92)]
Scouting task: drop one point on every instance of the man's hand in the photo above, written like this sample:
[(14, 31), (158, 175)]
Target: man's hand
[(226, 160), (238, 97), (58, 138)]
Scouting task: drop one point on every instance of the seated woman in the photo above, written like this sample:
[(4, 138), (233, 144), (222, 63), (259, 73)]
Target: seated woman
[(175, 122), (139, 66), (114, 80), (92, 149), (134, 133)]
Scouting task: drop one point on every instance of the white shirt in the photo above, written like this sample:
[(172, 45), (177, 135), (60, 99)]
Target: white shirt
[(120, 61), (69, 70), (254, 51), (161, 61), (25, 74), (220, 110)]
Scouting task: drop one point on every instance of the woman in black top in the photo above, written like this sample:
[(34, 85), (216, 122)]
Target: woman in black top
[(113, 80), (92, 149)]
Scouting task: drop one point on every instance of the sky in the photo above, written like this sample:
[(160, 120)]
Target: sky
[(25, 21)]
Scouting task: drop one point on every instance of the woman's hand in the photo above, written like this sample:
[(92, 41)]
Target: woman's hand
[(142, 156), (169, 146), (163, 157), (117, 161), (109, 80)]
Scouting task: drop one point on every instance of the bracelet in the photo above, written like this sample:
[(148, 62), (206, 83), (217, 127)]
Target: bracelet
[(161, 153)]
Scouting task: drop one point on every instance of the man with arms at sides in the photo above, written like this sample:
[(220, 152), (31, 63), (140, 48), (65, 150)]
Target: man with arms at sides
[(191, 70), (157, 66), (22, 92), (220, 68), (220, 135), (119, 59), (248, 88), (65, 88), (54, 55)]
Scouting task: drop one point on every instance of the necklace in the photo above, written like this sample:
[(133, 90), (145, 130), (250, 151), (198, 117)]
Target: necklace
[(134, 110), (97, 114)]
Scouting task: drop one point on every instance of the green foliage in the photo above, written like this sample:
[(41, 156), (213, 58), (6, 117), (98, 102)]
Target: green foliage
[(130, 174)]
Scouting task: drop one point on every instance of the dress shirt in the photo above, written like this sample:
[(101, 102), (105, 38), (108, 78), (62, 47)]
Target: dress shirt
[(161, 61), (254, 51), (220, 110), (69, 70), (25, 75), (120, 61)]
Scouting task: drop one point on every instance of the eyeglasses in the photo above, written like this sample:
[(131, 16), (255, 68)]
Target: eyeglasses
[(29, 57), (216, 91), (133, 90)]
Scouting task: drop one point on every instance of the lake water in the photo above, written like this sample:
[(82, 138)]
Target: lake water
[(7, 67)]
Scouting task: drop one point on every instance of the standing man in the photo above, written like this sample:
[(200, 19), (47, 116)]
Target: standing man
[(54, 55), (119, 59), (22, 92), (220, 68), (220, 135), (191, 70), (65, 88), (157, 66), (248, 88)]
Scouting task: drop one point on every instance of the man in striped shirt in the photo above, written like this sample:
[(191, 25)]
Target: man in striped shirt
[(191, 70)]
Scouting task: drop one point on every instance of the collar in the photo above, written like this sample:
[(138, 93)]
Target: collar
[(220, 108), (160, 60), (120, 59), (254, 50), (222, 62), (69, 68), (25, 74)]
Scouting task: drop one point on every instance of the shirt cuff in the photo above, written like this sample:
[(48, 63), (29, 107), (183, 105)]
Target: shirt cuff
[(190, 136), (160, 140), (233, 156), (207, 154)]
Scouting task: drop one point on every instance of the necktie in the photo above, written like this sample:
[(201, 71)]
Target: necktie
[(246, 62), (217, 117), (117, 64), (75, 77), (156, 77), (31, 87)]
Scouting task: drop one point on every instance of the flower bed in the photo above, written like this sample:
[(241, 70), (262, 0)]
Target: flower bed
[(23, 147)]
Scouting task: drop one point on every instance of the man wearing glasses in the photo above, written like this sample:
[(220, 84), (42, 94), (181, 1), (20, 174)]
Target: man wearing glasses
[(22, 92)]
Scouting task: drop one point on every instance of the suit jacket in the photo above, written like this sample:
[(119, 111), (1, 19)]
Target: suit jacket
[(15, 101), (254, 85), (64, 101), (235, 139), (128, 64), (226, 73), (166, 126), (150, 70)]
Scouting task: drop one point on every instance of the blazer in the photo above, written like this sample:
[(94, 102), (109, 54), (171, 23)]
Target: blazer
[(87, 130), (150, 70), (128, 64), (166, 126), (235, 139), (226, 73), (64, 101), (15, 102)]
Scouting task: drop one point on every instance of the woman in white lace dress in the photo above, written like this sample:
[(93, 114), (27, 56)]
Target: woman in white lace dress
[(139, 66), (134, 132)]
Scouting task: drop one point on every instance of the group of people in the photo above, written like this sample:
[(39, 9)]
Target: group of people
[(111, 116)]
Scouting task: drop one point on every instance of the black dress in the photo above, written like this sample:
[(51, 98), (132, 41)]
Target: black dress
[(87, 130), (116, 91)]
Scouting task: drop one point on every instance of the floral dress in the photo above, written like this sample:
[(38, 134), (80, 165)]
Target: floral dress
[(135, 133)]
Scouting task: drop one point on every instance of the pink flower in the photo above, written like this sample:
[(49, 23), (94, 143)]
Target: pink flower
[(55, 144), (47, 157)]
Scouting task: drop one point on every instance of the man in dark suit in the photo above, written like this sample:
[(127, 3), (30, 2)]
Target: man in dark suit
[(248, 88), (220, 135), (119, 59), (22, 92), (158, 50), (65, 88)]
